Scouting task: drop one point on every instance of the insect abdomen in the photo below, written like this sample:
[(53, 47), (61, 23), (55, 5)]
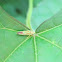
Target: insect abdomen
[(25, 33)]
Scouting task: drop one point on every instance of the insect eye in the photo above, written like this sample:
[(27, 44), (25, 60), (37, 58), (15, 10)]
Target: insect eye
[(20, 33)]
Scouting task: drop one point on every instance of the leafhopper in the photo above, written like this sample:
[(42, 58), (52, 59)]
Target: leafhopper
[(25, 32)]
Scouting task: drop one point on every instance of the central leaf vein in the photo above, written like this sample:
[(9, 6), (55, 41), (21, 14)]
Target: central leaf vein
[(36, 53)]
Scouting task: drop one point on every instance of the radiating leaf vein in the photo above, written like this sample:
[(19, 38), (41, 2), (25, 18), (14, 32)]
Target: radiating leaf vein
[(50, 29), (9, 29), (58, 46), (16, 49)]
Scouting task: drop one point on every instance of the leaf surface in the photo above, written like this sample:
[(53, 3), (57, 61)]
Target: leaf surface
[(44, 9), (50, 39), (16, 8), (9, 39), (52, 23), (44, 46), (9, 22)]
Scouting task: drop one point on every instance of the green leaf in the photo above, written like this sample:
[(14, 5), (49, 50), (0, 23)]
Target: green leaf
[(9, 22), (44, 9), (43, 46), (49, 39), (24, 52), (9, 39), (36, 2), (51, 23), (16, 8)]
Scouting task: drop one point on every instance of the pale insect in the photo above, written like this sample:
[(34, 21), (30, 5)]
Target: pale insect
[(26, 32)]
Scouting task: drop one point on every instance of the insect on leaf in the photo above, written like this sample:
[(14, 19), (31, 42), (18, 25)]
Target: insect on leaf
[(26, 32)]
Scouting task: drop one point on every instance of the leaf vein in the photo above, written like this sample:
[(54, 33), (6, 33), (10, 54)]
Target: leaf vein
[(36, 53), (16, 49), (8, 29), (58, 46), (50, 29)]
